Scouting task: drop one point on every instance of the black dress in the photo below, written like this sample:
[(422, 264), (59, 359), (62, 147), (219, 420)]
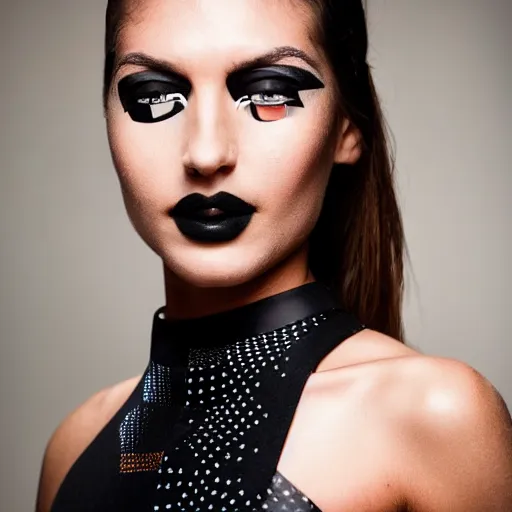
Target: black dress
[(205, 427)]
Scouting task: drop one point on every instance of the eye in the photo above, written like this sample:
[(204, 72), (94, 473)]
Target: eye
[(269, 105), (148, 100), (270, 91), (151, 109), (269, 99)]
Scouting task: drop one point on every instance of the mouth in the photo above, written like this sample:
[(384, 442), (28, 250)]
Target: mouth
[(219, 218)]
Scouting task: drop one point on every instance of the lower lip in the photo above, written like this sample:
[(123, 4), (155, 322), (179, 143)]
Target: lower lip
[(211, 230)]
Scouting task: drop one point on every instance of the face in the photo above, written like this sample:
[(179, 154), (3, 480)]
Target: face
[(222, 98)]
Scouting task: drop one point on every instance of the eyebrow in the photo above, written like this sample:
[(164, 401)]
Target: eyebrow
[(267, 59)]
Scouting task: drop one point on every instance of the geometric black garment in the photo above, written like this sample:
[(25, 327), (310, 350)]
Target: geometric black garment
[(205, 427)]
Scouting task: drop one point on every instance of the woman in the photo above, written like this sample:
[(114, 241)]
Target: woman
[(250, 148)]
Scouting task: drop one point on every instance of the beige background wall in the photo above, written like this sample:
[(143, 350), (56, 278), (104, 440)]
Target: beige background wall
[(78, 288)]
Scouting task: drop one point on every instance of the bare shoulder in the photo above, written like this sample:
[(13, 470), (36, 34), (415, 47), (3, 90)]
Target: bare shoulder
[(429, 390), (365, 347), (449, 425), (459, 431), (74, 434), (452, 427)]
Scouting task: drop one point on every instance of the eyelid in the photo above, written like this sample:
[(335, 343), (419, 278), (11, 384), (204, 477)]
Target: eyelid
[(129, 85), (298, 77), (153, 76), (279, 101), (295, 73)]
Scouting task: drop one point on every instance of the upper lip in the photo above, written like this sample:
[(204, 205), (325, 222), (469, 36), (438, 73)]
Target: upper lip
[(193, 204)]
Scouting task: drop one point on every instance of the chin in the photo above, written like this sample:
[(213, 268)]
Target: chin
[(216, 268)]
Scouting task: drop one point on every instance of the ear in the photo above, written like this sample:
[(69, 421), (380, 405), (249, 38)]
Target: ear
[(348, 147)]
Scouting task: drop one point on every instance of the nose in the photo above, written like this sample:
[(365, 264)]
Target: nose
[(209, 143)]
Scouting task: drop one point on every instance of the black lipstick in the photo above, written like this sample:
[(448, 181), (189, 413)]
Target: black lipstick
[(219, 218)]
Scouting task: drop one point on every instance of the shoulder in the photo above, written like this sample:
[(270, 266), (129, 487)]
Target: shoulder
[(455, 431), (366, 346), (74, 434), (458, 432), (449, 427)]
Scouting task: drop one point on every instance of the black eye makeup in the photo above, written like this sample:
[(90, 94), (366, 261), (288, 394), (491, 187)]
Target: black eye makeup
[(151, 96), (269, 91)]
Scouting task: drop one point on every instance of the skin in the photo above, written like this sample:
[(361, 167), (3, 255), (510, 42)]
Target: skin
[(213, 146), (378, 424)]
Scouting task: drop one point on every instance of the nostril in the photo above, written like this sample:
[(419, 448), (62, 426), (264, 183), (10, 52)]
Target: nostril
[(205, 171), (191, 171)]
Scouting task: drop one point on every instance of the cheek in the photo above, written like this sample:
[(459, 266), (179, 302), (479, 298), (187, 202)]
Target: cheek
[(145, 156), (288, 160), (279, 161)]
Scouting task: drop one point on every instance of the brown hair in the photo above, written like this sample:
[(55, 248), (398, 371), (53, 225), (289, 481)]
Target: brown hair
[(357, 246)]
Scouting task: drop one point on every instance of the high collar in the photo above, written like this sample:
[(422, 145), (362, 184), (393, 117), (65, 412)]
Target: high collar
[(225, 328)]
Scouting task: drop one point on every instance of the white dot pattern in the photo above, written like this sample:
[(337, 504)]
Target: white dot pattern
[(285, 497), (226, 416), (205, 427)]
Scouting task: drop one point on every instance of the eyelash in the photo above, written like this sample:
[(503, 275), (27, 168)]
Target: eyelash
[(135, 104), (263, 99), (263, 102), (153, 96), (163, 98)]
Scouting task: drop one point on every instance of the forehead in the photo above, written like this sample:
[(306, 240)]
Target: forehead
[(216, 32)]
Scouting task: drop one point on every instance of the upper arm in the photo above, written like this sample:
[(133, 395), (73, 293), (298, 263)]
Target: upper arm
[(73, 436), (462, 441)]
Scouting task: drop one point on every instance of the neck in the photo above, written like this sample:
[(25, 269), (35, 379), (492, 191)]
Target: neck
[(287, 315), (186, 301)]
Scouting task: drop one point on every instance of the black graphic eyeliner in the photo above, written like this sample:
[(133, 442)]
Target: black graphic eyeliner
[(274, 86), (242, 82), (151, 96)]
